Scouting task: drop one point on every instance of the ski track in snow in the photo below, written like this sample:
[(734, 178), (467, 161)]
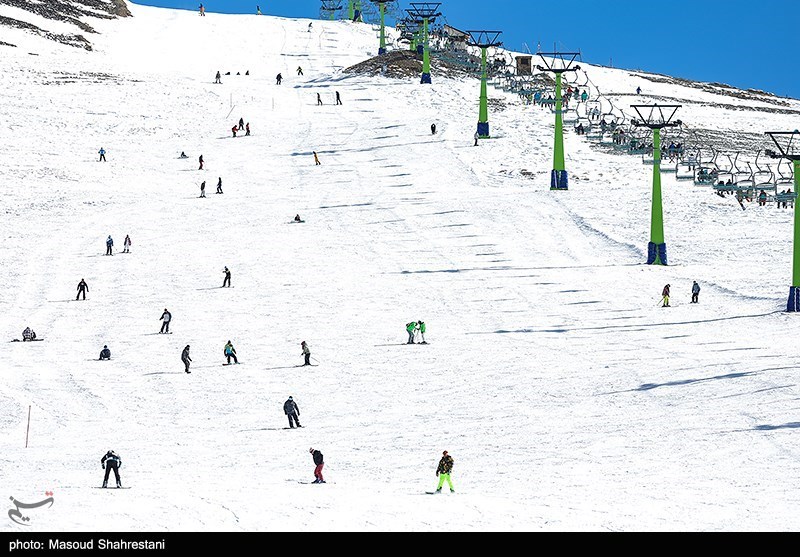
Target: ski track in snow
[(615, 415)]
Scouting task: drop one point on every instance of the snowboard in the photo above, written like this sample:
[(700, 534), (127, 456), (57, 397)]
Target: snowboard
[(226, 365), (297, 222), (435, 493), (34, 340), (110, 488)]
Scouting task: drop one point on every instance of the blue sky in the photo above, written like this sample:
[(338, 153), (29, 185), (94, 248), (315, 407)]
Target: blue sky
[(740, 42)]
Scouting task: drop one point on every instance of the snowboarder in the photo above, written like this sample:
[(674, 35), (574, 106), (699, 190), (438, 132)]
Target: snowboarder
[(234, 129), (695, 292), (28, 335), (219, 185), (258, 10), (316, 159), (476, 138), (443, 472), (297, 218), (83, 288), (126, 245), (201, 162), (247, 128), (183, 155), (665, 294), (320, 463), (202, 10), (102, 155), (109, 245), (338, 98), (306, 353), (638, 90), (299, 70), (410, 328), (279, 79), (166, 317), (310, 26), (230, 352), (218, 79), (319, 99), (433, 129), (292, 411), (241, 123), (105, 353), (111, 461), (203, 189), (185, 358), (421, 327), (227, 282)]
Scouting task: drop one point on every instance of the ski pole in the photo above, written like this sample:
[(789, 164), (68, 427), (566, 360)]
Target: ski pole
[(313, 358)]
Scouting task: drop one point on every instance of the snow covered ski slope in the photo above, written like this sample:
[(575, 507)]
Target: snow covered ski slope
[(567, 397)]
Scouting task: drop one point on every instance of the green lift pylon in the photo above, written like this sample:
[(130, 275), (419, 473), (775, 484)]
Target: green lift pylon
[(484, 40), (788, 144), (559, 63), (426, 13), (382, 9), (656, 117), (329, 9)]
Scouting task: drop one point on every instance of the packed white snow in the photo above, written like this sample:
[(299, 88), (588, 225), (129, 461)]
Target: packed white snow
[(569, 399)]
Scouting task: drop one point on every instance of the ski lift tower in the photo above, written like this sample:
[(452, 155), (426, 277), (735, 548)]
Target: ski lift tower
[(329, 9), (559, 63), (426, 12), (484, 40), (382, 8), (410, 29), (656, 117), (788, 144)]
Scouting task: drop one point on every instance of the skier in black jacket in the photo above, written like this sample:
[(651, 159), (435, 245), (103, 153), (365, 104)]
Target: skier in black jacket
[(105, 353), (185, 358), (111, 461), (292, 411), (83, 288), (320, 463)]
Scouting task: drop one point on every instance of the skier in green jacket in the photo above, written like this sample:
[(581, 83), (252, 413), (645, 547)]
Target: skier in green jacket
[(411, 328), (421, 327)]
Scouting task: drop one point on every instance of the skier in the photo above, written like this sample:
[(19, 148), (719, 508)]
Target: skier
[(292, 411), (695, 292), (338, 98), (310, 26), (297, 218), (443, 471), (201, 162), (109, 245), (638, 90), (218, 79), (126, 245), (203, 189), (665, 294), (279, 78), (105, 353), (319, 99), (320, 463), (258, 10), (219, 185), (227, 281), (183, 155), (28, 335), (230, 352), (316, 159), (421, 327), (202, 10), (247, 128), (433, 129), (476, 138), (166, 317), (111, 461), (299, 70), (102, 155), (185, 358), (584, 96), (410, 328), (241, 123), (234, 129), (83, 288), (306, 353)]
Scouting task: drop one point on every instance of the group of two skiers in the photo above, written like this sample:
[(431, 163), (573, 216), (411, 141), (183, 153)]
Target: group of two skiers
[(338, 99), (203, 188), (126, 245), (666, 292)]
